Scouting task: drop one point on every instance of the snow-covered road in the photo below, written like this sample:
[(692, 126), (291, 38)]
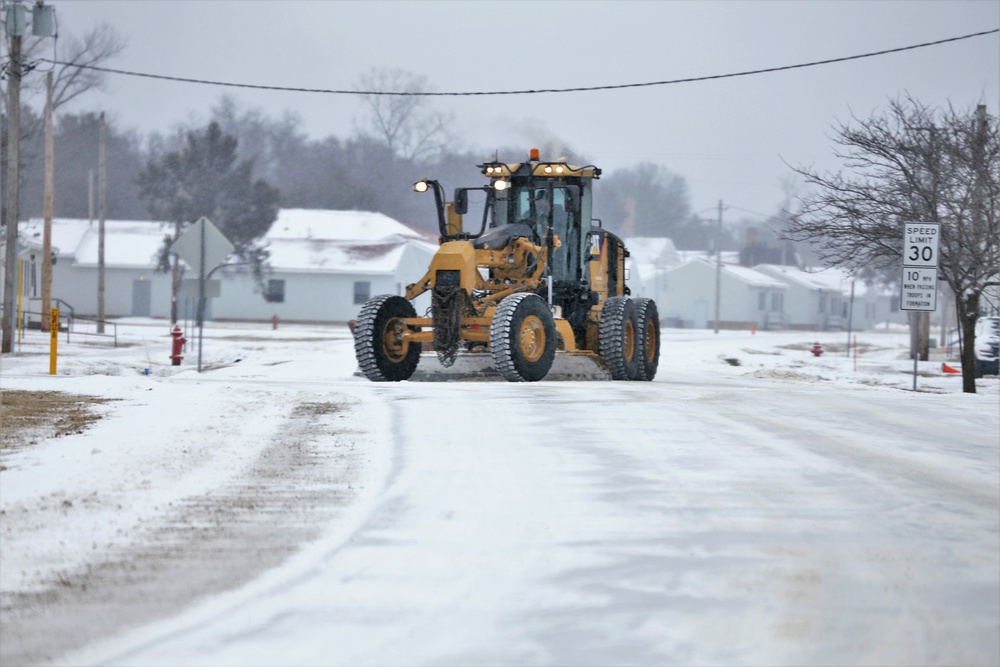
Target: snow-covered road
[(785, 511)]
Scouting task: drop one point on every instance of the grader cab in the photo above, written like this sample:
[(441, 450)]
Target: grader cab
[(534, 290)]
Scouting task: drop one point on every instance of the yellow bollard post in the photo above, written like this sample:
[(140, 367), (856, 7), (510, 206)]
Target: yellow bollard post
[(53, 340)]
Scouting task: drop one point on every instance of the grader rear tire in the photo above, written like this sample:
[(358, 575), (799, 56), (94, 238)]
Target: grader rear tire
[(523, 338), (382, 354), (648, 319), (619, 338)]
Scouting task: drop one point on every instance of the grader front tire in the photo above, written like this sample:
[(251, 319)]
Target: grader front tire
[(383, 354), (523, 338)]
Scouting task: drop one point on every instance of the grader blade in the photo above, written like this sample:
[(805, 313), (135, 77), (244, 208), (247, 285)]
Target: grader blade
[(478, 366)]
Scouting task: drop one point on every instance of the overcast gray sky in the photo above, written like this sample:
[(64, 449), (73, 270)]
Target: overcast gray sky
[(729, 138)]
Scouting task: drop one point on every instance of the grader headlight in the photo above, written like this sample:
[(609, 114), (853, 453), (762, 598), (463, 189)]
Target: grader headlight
[(500, 185), (420, 186)]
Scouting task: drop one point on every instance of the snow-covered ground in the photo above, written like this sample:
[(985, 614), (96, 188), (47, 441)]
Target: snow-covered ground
[(753, 505)]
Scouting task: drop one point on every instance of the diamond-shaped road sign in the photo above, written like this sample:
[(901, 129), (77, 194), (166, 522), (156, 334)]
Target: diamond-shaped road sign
[(217, 247)]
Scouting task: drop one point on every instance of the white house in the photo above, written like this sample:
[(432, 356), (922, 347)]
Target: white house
[(649, 260), (324, 265), (747, 298), (823, 299), (131, 284)]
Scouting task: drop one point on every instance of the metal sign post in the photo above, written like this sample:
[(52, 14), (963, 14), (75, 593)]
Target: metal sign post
[(202, 247), (918, 287)]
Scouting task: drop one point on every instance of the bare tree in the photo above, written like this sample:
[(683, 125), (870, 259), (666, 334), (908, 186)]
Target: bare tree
[(913, 163), (70, 80), (398, 115)]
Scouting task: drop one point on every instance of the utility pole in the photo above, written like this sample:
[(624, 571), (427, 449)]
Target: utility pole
[(101, 187), (90, 197), (42, 25), (13, 161), (47, 210), (175, 280), (718, 269)]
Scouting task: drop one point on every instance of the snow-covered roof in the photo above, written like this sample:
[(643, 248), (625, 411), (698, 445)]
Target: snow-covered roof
[(301, 223), (335, 256), (127, 243), (828, 280), (744, 274), (655, 251), (310, 240), (728, 256)]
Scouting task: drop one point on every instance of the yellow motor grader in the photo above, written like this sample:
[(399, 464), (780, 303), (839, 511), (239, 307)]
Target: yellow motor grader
[(538, 290)]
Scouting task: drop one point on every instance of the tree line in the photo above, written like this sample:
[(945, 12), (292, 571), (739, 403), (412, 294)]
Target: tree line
[(360, 172)]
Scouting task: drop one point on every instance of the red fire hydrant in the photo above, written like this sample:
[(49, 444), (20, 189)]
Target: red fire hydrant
[(817, 349), (177, 347)]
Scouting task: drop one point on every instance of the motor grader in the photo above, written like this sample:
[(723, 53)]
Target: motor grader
[(537, 289)]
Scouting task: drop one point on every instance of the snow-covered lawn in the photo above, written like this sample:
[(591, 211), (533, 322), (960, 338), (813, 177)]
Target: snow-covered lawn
[(753, 505)]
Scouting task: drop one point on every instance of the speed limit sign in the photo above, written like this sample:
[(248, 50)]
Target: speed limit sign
[(920, 263), (920, 244)]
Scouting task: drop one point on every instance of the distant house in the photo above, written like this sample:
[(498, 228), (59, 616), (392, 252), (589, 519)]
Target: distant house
[(823, 299), (131, 285), (747, 298), (324, 265), (650, 259), (27, 268)]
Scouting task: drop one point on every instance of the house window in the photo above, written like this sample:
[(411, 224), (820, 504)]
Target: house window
[(777, 302), (275, 291), (762, 301), (362, 291)]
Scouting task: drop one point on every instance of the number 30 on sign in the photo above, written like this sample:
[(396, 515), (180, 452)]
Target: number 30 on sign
[(920, 244)]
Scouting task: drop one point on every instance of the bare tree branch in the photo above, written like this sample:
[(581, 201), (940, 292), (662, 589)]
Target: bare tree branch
[(402, 122)]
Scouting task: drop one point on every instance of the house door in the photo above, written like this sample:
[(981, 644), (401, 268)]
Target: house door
[(701, 314), (141, 297)]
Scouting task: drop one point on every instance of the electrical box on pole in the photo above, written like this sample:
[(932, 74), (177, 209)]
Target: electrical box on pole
[(43, 20)]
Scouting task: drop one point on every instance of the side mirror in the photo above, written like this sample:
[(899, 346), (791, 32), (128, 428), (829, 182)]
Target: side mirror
[(461, 201), (594, 247)]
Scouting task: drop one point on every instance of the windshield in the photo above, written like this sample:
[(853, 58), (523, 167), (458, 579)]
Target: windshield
[(535, 206)]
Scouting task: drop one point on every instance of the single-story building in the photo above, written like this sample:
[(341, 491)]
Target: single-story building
[(649, 260), (822, 299), (747, 298), (324, 265)]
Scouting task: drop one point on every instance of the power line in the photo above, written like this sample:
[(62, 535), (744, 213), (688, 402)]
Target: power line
[(746, 210), (328, 91)]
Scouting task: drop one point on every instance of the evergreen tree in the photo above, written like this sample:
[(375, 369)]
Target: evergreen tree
[(205, 178)]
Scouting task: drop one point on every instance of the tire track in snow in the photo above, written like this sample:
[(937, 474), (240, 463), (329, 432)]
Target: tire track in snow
[(202, 546)]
